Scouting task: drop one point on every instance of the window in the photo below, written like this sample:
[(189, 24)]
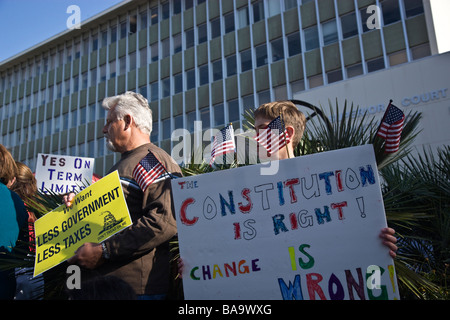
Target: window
[(166, 87), (143, 57), (165, 47), (113, 33), (82, 115), (103, 72), (264, 97), (203, 74), (354, 70), (233, 110), (413, 7), (334, 76), (132, 60), (202, 33), (74, 116), (91, 112), (218, 112), (397, 58), (294, 45), (190, 118), (112, 69), (375, 64), (258, 10), (154, 91), (349, 25), (261, 55), (165, 10), (215, 28), (188, 4), (204, 118), (178, 83), (277, 49), (289, 4), (280, 93), (154, 15), (104, 38), (122, 65), (229, 22), (246, 60), (231, 65), (154, 136), (84, 81), (133, 24), (190, 38), (248, 103), (370, 19), (166, 129), (311, 38), (143, 19), (329, 30), (315, 81), (176, 7), (178, 122), (154, 52), (421, 51), (242, 17), (190, 79), (123, 29), (274, 8), (217, 70), (297, 86), (143, 90), (391, 11), (177, 44)]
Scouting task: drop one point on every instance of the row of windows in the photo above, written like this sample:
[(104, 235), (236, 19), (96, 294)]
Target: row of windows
[(263, 54), (391, 13)]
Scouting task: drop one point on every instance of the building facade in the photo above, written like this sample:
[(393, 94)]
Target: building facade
[(204, 60)]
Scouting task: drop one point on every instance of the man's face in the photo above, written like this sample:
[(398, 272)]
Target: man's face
[(113, 131)]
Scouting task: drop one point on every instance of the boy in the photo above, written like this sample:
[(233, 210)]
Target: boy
[(294, 121)]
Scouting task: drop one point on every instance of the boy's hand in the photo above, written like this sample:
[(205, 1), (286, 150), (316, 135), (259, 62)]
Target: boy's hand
[(68, 199)]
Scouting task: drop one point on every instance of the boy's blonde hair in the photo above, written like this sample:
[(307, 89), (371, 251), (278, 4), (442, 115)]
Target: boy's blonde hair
[(290, 114)]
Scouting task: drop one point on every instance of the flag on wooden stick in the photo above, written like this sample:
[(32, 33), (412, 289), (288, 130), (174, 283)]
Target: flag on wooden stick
[(391, 128), (223, 142), (274, 137)]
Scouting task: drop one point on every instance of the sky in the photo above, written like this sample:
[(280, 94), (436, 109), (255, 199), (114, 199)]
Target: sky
[(25, 23)]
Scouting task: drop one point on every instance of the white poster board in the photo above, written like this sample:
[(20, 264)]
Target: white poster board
[(311, 231), (63, 174)]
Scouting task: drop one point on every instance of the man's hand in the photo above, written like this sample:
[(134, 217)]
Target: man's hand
[(88, 256)]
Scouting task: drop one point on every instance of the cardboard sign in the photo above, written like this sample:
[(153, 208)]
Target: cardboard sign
[(63, 174), (97, 213), (310, 231)]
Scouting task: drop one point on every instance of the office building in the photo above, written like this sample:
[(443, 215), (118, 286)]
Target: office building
[(205, 60)]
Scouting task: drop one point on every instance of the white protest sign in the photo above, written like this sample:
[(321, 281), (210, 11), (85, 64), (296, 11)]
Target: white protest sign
[(309, 232), (63, 174)]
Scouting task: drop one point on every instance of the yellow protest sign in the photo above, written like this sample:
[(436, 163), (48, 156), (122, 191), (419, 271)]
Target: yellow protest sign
[(97, 213)]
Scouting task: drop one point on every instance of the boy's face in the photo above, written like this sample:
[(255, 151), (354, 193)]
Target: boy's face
[(261, 124)]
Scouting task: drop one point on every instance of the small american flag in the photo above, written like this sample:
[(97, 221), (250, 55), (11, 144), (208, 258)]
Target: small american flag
[(223, 142), (147, 171), (391, 128), (274, 137)]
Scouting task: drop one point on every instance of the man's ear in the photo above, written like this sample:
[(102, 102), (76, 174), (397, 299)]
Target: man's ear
[(128, 120)]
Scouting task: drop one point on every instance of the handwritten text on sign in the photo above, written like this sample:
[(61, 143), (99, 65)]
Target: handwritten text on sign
[(309, 232), (97, 213), (63, 174)]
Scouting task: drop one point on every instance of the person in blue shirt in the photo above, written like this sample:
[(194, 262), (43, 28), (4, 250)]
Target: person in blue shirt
[(14, 222)]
